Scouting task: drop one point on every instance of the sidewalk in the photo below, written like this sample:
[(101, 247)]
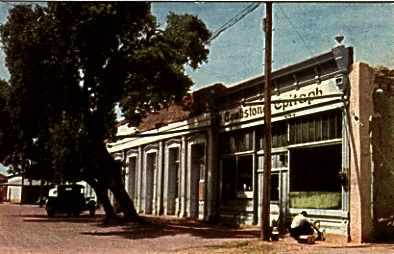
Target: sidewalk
[(246, 239)]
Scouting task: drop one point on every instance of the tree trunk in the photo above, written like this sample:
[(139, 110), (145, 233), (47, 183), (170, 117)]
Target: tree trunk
[(102, 196), (111, 175), (118, 189), (108, 172)]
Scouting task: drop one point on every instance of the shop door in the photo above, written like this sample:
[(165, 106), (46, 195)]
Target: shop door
[(130, 177), (197, 180), (150, 172), (275, 207), (278, 191), (173, 181)]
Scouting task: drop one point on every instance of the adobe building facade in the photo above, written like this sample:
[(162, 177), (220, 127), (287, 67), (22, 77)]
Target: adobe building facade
[(332, 155)]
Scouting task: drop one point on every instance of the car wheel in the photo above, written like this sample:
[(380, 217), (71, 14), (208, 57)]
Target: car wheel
[(51, 213), (92, 212)]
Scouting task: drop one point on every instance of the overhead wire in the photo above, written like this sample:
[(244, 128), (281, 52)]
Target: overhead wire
[(240, 13), (299, 35), (295, 30), (216, 74), (234, 20), (245, 71), (227, 25)]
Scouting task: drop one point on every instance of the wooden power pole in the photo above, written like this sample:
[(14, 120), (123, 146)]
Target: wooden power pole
[(265, 227)]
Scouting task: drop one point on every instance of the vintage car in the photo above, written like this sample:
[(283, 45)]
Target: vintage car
[(69, 199)]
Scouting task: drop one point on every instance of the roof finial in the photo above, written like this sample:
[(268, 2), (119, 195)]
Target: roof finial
[(339, 39)]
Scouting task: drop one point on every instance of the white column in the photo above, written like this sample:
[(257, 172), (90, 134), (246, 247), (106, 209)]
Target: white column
[(139, 180), (159, 179), (183, 178)]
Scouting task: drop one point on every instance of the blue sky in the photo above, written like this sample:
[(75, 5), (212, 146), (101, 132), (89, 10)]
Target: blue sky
[(301, 30)]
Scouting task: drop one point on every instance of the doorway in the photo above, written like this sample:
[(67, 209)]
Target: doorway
[(197, 181)]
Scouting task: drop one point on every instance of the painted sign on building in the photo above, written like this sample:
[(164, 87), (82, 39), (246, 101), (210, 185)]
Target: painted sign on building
[(305, 96)]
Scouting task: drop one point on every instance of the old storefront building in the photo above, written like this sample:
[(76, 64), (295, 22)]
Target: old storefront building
[(308, 155), (207, 161)]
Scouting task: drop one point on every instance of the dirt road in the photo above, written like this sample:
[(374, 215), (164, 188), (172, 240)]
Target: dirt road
[(27, 229)]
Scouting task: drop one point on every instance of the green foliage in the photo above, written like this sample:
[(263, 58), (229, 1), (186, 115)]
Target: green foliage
[(67, 144), (158, 65), (189, 35), (7, 135), (72, 62)]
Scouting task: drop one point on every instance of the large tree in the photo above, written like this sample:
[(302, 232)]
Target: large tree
[(71, 63)]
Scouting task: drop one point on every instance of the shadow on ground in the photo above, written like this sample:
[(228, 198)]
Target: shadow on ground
[(83, 218), (155, 228), (160, 227), (164, 226)]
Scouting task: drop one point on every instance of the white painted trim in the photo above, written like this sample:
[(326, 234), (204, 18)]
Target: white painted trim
[(336, 141), (173, 143), (118, 156), (132, 153), (151, 148)]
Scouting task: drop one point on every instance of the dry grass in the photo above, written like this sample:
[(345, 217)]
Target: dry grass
[(231, 247)]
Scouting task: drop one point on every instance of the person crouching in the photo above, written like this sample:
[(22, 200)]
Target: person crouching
[(302, 226)]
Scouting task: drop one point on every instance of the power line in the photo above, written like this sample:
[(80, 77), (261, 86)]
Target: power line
[(234, 20), (219, 75), (299, 35), (237, 15), (245, 70), (302, 39)]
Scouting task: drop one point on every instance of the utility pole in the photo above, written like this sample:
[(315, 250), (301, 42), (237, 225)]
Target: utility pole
[(265, 227)]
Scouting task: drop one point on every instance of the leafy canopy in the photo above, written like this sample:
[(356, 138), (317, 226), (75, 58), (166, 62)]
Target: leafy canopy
[(71, 63)]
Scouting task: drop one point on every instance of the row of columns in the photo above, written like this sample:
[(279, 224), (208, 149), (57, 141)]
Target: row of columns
[(148, 179)]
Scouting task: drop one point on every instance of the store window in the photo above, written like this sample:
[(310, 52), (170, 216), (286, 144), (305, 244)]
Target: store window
[(245, 173), (237, 177), (279, 163), (278, 132), (237, 141), (314, 178), (274, 187), (317, 127)]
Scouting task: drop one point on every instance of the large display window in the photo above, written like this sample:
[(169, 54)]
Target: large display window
[(237, 177), (314, 177)]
